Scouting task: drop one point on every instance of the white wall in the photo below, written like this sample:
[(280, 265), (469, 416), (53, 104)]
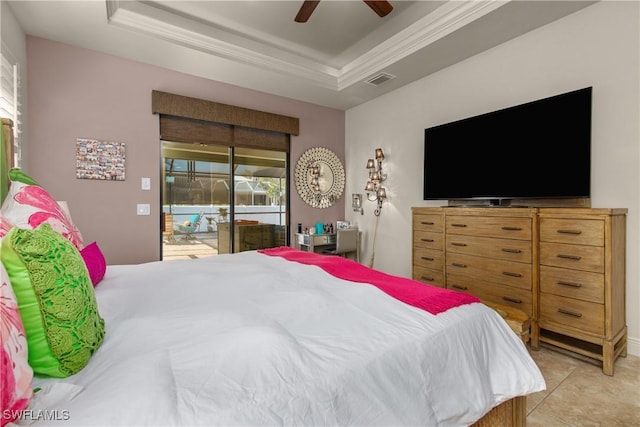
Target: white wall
[(597, 46)]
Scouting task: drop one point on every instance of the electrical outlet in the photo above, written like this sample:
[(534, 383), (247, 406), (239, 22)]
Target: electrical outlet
[(144, 209)]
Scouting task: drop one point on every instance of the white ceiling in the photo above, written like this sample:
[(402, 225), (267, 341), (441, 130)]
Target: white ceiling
[(257, 44)]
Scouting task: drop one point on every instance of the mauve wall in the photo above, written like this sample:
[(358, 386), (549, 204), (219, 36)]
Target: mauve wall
[(78, 93)]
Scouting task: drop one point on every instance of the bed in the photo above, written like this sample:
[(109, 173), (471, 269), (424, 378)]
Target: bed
[(285, 337)]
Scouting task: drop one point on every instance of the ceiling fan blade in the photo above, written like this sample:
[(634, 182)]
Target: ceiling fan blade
[(382, 8), (306, 10)]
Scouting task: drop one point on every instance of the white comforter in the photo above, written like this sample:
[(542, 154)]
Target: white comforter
[(250, 339)]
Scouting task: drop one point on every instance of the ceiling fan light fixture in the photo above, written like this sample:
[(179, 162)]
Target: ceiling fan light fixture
[(306, 10), (379, 79), (381, 8)]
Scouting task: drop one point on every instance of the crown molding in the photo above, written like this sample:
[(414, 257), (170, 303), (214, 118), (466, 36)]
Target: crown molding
[(142, 18), (218, 41), (448, 18)]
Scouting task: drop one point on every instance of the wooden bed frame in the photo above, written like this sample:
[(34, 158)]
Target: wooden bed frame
[(511, 413)]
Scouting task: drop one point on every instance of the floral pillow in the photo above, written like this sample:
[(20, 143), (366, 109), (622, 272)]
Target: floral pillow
[(5, 225), (15, 372), (28, 205), (56, 300)]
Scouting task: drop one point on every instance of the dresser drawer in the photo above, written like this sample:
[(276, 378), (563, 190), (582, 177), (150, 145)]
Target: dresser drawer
[(427, 275), (428, 258), (428, 239), (428, 222), (578, 314), (487, 291), (576, 257), (490, 247), (502, 227), (574, 231), (582, 285), (492, 270)]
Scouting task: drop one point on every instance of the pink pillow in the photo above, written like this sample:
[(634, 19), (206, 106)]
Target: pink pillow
[(95, 262), (15, 372), (28, 205)]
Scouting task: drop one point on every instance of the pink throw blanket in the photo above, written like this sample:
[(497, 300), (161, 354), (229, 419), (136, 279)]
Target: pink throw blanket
[(427, 297)]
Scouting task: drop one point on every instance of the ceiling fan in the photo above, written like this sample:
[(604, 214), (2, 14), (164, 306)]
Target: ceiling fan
[(382, 8)]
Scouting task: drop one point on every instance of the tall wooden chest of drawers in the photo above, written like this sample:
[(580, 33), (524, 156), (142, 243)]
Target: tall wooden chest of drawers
[(582, 282), (563, 267)]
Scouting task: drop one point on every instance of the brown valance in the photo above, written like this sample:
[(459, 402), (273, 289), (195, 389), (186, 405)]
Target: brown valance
[(208, 111)]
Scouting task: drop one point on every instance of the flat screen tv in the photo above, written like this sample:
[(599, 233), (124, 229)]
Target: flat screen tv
[(541, 149)]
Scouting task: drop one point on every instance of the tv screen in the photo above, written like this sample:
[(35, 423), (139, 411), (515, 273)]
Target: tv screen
[(541, 149)]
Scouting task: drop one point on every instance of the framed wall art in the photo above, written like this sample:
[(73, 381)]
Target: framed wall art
[(102, 160)]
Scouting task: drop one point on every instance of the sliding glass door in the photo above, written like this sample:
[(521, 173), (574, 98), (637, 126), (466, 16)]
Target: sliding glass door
[(209, 187)]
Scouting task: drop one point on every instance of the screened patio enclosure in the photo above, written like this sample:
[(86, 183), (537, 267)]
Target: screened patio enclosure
[(202, 202)]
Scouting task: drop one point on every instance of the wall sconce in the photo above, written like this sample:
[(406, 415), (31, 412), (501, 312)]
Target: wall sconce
[(356, 203), (375, 191)]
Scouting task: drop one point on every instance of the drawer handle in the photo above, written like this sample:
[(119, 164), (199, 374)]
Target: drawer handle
[(512, 228), (458, 244), (426, 258), (510, 274), (571, 257), (459, 287), (512, 251), (511, 299), (570, 284), (574, 232), (427, 240), (459, 225), (569, 312), (426, 223), (457, 264), (428, 279)]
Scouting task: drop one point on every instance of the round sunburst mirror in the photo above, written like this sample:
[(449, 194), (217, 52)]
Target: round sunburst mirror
[(319, 177)]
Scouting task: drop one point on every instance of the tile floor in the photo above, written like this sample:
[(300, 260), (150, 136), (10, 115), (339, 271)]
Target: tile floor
[(579, 394)]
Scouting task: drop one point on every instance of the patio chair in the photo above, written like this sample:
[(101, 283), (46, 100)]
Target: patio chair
[(190, 226)]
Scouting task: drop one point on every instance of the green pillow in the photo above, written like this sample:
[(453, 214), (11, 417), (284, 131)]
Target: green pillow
[(16, 174), (56, 300)]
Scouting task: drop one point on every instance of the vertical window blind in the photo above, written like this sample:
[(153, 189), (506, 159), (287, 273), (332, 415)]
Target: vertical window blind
[(10, 97)]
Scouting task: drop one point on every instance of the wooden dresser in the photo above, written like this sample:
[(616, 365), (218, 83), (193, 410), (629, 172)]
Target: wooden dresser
[(582, 282), (484, 251), (563, 267)]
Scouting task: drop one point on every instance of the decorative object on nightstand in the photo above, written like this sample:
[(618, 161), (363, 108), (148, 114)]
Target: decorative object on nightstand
[(342, 224), (320, 177)]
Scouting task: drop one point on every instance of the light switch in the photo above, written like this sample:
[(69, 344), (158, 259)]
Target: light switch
[(144, 209), (146, 183)]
